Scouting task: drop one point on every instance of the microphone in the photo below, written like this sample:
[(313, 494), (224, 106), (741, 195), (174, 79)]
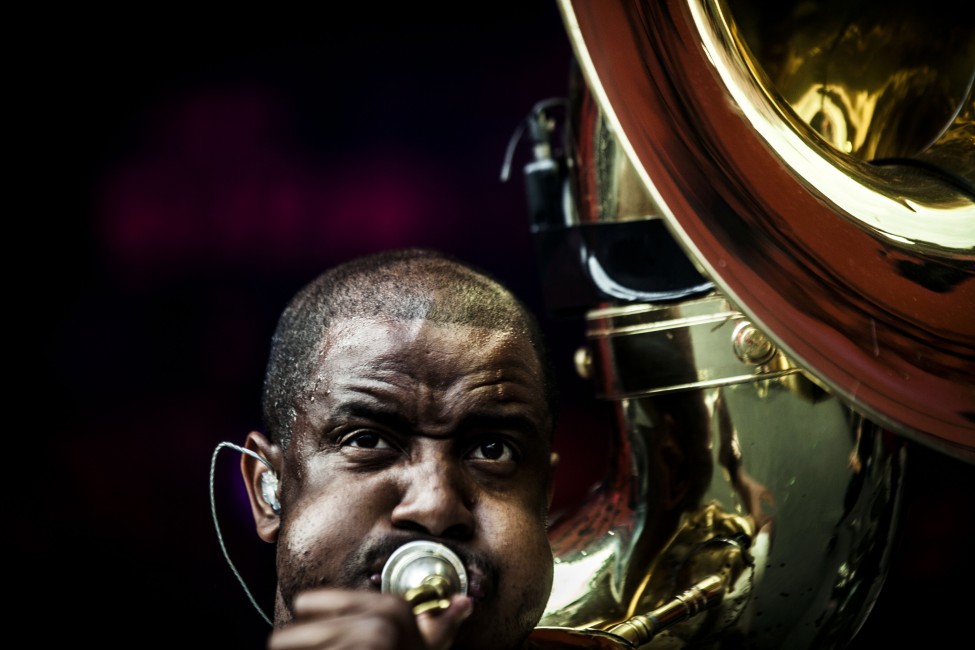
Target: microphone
[(426, 574)]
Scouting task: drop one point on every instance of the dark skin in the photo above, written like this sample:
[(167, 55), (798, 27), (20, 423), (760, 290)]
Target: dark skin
[(411, 430)]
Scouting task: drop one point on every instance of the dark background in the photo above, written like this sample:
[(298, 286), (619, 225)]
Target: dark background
[(186, 173)]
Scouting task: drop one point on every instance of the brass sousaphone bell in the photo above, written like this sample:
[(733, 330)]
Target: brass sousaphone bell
[(766, 217)]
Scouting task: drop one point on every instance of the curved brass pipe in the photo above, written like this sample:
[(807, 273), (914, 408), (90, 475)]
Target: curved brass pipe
[(863, 272), (814, 160)]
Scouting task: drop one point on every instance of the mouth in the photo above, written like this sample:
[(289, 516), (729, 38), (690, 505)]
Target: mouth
[(480, 576), (477, 584)]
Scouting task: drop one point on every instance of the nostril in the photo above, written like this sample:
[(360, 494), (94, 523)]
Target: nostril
[(458, 532), (406, 524)]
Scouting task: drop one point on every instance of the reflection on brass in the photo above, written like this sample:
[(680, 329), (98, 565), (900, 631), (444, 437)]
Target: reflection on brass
[(771, 483), (816, 161), (694, 344), (751, 345), (426, 574), (637, 630), (722, 469), (640, 629), (729, 459), (740, 468), (874, 80), (583, 362), (435, 605), (431, 595)]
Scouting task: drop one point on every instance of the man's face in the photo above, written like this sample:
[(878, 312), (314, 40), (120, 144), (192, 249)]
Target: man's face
[(417, 430)]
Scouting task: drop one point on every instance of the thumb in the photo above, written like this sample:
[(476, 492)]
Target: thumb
[(438, 629)]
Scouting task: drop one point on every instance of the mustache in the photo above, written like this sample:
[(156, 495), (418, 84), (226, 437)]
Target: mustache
[(374, 553)]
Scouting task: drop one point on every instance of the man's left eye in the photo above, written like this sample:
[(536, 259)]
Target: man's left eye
[(495, 450)]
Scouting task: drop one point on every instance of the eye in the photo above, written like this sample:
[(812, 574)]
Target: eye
[(366, 440), (494, 450)]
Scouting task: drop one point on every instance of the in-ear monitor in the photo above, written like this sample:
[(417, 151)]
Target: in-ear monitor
[(269, 490)]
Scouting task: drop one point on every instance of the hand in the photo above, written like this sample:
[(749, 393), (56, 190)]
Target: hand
[(333, 618)]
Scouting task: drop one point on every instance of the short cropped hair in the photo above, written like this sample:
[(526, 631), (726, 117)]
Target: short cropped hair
[(402, 284)]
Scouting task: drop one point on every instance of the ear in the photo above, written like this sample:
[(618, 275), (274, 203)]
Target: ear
[(266, 520)]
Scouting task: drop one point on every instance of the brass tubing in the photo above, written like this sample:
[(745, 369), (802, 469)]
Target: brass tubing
[(641, 629)]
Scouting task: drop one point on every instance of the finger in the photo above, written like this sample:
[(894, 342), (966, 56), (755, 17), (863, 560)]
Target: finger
[(333, 618), (438, 629), (342, 602)]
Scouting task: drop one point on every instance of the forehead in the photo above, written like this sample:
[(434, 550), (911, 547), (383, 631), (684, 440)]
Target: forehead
[(423, 349), (433, 376)]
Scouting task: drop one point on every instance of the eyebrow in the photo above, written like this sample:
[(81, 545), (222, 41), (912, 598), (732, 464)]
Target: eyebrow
[(470, 422), (497, 421), (387, 417)]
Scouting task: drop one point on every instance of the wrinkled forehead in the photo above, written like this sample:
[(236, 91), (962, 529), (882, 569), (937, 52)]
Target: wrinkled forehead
[(458, 370), (423, 343), (423, 339)]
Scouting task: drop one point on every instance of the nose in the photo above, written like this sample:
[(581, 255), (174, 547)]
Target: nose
[(436, 500)]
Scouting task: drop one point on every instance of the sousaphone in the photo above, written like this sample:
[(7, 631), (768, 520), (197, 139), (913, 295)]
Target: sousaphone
[(765, 213)]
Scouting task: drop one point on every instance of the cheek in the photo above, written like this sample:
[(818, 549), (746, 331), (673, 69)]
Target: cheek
[(518, 535), (327, 523), (309, 524), (520, 545)]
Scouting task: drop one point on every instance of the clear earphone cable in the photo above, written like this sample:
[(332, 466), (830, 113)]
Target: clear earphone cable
[(213, 510)]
